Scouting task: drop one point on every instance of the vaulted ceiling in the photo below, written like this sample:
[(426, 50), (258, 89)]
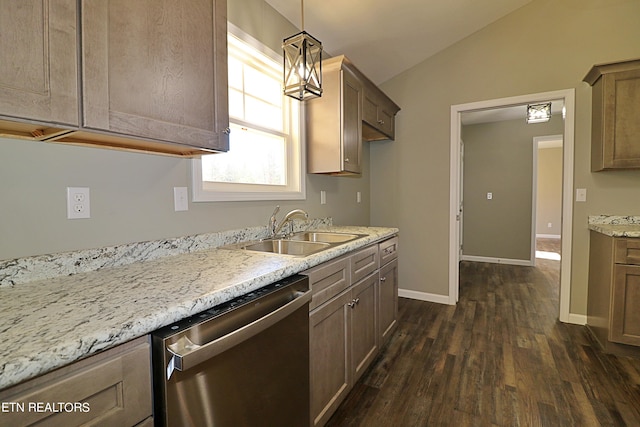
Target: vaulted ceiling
[(384, 38)]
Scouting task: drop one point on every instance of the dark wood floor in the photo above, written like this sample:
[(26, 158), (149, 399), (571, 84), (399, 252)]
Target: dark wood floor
[(497, 358)]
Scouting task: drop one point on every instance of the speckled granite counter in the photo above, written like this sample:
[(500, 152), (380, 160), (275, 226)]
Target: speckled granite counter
[(615, 226), (49, 323)]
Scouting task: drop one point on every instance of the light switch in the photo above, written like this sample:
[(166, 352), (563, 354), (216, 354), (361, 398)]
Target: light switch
[(180, 199), (581, 194)]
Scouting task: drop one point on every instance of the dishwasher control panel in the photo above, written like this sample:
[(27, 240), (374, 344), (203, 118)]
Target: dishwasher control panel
[(231, 305)]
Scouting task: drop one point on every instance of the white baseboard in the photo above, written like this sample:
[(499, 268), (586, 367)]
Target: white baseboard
[(424, 296), (474, 258), (577, 319), (548, 236)]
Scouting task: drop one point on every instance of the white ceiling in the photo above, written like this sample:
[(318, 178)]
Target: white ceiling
[(384, 38)]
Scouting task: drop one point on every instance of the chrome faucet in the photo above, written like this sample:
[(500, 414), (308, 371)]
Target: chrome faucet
[(275, 228)]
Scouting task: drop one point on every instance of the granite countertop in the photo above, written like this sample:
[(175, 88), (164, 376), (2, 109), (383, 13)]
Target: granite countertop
[(615, 225), (48, 323)]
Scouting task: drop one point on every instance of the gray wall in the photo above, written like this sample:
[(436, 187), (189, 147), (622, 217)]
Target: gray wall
[(132, 194), (549, 209), (496, 62), (498, 158)]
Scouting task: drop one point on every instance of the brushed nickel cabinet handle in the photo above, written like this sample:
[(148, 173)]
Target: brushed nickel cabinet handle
[(227, 131), (383, 279)]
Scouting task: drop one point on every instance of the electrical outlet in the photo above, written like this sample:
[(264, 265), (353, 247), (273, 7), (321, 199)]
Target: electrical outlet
[(489, 196), (78, 203)]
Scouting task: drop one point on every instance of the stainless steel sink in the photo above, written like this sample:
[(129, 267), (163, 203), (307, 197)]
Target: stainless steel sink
[(300, 244), (287, 247), (324, 236)]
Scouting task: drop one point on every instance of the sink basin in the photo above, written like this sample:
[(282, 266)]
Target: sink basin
[(287, 247), (324, 236), (300, 244)]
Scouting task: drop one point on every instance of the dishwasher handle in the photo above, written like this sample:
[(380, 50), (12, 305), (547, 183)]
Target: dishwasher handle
[(187, 354)]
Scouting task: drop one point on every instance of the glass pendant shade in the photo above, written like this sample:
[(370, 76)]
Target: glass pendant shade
[(538, 113), (302, 66)]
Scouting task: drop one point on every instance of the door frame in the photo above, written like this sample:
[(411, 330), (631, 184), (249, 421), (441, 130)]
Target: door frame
[(566, 95)]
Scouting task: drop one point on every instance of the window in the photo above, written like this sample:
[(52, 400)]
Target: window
[(264, 161)]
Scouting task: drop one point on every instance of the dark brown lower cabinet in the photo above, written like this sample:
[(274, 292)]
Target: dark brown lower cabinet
[(352, 314), (613, 316), (112, 388)]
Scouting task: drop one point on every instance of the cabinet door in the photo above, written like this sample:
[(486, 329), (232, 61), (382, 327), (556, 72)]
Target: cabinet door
[(625, 315), (364, 324), (38, 65), (388, 300), (369, 109), (386, 121), (330, 369), (156, 70), (352, 123), (621, 127)]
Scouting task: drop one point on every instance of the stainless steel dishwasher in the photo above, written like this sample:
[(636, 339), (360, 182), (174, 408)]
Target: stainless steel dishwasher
[(242, 363)]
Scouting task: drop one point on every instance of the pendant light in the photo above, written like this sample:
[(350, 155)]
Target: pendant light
[(302, 64)]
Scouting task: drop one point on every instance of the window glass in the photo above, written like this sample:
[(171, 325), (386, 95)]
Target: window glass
[(264, 161)]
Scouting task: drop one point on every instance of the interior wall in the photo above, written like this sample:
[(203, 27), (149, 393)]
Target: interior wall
[(499, 61), (132, 193), (549, 188), (498, 159)]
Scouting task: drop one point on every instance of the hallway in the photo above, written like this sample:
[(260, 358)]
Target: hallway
[(498, 358)]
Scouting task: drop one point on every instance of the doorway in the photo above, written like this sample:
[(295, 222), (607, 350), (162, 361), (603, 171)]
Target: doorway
[(567, 97), (548, 194)]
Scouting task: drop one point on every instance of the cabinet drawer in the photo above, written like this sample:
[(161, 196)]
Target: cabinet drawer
[(388, 250), (627, 251), (111, 388), (363, 263), (328, 280)]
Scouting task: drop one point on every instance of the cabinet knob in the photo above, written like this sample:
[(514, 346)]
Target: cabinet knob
[(227, 131), (383, 279), (351, 304), (381, 122), (346, 160)]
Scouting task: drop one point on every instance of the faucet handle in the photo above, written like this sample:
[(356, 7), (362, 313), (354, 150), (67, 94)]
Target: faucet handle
[(273, 222)]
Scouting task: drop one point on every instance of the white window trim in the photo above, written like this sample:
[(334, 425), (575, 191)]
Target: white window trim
[(296, 161)]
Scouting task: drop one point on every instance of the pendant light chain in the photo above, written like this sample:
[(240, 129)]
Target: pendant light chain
[(302, 13)]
